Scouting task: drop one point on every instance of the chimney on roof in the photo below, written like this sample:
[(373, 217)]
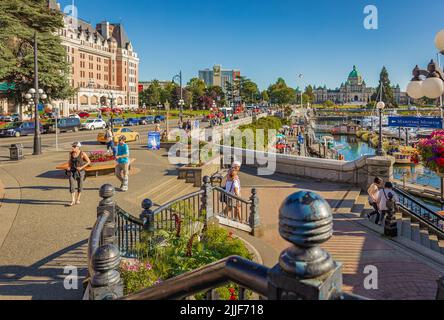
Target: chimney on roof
[(103, 29)]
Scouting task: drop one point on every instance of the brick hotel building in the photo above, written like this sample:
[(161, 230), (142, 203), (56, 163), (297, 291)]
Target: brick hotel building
[(103, 61)]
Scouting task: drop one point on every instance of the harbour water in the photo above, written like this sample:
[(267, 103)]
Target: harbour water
[(353, 148)]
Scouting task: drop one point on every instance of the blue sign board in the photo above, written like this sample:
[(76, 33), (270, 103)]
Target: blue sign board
[(416, 122), (154, 140)]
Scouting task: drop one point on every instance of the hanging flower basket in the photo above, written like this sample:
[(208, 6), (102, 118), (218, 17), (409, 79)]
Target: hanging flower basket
[(431, 151)]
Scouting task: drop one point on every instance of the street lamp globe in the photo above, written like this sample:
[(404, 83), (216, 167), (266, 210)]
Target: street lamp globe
[(28, 96), (439, 41), (380, 105), (32, 91), (41, 91), (44, 96), (433, 87), (415, 90)]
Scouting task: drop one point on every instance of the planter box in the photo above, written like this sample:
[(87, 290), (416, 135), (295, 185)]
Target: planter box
[(195, 175)]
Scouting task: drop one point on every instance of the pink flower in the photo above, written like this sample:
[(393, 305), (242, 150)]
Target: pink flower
[(148, 266)]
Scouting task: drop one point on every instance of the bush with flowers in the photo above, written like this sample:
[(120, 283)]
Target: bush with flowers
[(431, 151), (166, 255), (100, 157)]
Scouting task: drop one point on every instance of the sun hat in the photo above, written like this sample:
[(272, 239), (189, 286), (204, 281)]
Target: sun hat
[(76, 145), (236, 164)]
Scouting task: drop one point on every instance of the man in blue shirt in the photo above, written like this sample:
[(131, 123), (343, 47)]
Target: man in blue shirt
[(122, 167)]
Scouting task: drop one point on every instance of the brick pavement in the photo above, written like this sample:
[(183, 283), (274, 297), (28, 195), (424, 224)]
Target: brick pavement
[(402, 275)]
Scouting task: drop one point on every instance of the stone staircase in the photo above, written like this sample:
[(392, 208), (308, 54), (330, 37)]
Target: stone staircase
[(413, 234), (168, 190)]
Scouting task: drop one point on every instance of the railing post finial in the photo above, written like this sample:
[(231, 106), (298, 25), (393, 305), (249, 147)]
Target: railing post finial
[(147, 215), (107, 204), (305, 271), (106, 283), (255, 222)]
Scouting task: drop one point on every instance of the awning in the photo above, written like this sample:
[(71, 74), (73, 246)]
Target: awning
[(5, 86)]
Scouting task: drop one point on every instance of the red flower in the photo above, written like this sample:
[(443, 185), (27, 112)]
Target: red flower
[(232, 294), (440, 162)]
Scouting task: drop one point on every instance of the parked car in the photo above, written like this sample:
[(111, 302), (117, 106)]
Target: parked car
[(117, 122), (146, 120), (93, 124), (63, 125), (118, 132), (132, 122), (74, 116), (159, 119), (84, 115), (18, 129)]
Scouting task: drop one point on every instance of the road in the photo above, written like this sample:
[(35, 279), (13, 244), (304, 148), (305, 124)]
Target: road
[(66, 139)]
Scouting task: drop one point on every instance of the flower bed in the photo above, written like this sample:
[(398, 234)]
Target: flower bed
[(432, 151), (100, 157), (176, 253)]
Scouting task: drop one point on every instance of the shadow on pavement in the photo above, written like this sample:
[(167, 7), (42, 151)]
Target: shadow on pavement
[(43, 280)]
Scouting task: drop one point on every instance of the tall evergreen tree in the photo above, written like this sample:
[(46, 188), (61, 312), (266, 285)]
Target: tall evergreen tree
[(19, 20), (387, 91)]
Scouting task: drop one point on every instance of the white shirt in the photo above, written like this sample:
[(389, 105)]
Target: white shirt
[(384, 197), (232, 185)]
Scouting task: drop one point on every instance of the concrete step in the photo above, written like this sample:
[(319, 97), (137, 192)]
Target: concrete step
[(415, 236), (434, 243), (406, 230), (179, 190), (425, 238), (165, 184)]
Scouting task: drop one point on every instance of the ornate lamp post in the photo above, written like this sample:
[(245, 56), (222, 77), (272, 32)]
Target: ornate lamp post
[(380, 106), (33, 96), (111, 98), (181, 101)]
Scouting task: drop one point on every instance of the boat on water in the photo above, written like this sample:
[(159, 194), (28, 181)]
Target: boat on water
[(406, 155)]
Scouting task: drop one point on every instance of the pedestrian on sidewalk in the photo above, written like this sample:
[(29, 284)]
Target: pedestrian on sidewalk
[(233, 187), (78, 161), (109, 136), (373, 191), (122, 167), (384, 196)]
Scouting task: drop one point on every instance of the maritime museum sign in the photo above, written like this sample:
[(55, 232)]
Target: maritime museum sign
[(416, 122)]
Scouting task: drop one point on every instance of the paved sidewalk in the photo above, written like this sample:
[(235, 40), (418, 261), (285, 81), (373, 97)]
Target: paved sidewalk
[(402, 274), (39, 235)]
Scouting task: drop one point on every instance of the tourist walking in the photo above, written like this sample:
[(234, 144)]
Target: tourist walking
[(122, 167), (384, 196), (372, 192), (78, 161), (109, 137)]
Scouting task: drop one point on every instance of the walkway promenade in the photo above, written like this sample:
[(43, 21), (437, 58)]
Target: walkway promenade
[(39, 236), (402, 273)]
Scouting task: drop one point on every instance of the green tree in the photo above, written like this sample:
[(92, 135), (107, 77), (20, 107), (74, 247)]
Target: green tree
[(309, 94), (265, 96), (387, 91), (249, 90), (216, 94), (280, 93), (329, 104), (19, 21), (196, 87)]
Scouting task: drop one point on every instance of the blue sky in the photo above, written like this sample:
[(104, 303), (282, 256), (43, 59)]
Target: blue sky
[(321, 39)]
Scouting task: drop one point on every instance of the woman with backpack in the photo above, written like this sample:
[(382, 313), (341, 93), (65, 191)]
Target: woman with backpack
[(78, 162)]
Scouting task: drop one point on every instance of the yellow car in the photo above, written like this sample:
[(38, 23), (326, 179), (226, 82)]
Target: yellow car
[(118, 132)]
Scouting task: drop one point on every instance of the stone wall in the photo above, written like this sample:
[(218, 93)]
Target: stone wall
[(361, 172)]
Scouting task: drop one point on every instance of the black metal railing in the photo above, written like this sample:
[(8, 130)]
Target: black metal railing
[(230, 207), (129, 232), (184, 211), (420, 211), (96, 238)]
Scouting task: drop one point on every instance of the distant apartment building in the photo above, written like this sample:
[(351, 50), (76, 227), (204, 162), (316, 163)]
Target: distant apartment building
[(218, 76), (103, 61), (143, 85)]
